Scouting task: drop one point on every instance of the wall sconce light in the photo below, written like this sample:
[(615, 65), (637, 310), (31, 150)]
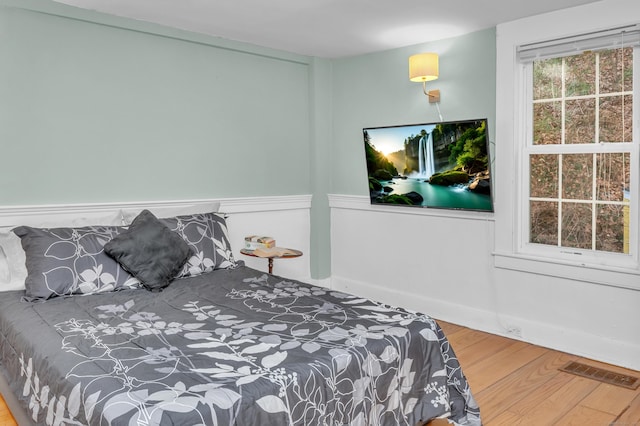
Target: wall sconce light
[(423, 67)]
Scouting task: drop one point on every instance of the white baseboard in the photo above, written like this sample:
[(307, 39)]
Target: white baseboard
[(324, 282), (573, 341)]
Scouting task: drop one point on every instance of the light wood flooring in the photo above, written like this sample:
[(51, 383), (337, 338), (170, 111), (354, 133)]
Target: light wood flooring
[(516, 383), (6, 419)]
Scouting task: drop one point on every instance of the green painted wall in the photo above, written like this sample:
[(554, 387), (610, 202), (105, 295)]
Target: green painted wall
[(374, 90), (96, 108), (120, 111), (320, 165)]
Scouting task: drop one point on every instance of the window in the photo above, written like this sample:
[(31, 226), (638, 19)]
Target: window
[(580, 163)]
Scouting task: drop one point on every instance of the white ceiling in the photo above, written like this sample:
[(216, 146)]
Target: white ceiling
[(328, 28)]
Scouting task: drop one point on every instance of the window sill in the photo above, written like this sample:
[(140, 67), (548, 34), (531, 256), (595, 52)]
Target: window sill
[(609, 276)]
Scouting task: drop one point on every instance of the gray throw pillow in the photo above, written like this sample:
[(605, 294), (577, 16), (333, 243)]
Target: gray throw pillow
[(208, 237), (150, 251), (66, 261)]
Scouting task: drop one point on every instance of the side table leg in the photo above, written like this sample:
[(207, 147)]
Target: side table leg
[(271, 265)]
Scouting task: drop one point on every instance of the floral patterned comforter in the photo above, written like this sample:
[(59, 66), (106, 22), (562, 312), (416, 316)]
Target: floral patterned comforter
[(231, 347)]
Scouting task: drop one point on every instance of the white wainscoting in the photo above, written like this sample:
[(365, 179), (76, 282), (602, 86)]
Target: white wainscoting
[(433, 261), (441, 263), (285, 218)]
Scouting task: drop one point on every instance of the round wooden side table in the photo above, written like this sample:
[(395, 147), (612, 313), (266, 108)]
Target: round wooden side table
[(290, 253)]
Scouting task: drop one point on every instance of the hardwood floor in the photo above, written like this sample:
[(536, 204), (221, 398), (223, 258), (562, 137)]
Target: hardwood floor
[(6, 419), (516, 383)]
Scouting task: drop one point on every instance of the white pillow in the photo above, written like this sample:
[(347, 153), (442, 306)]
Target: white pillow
[(171, 211), (5, 274), (13, 270)]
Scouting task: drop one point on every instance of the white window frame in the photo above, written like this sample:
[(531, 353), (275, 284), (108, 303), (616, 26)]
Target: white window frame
[(586, 256), (512, 249)]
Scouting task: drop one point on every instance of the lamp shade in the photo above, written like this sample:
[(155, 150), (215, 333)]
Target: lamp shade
[(423, 67)]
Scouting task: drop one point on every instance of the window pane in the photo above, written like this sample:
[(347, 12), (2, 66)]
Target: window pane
[(581, 121), (580, 74), (614, 125), (547, 123), (547, 79), (616, 70), (613, 174), (577, 176), (544, 222), (611, 235), (576, 225), (579, 195), (544, 176)]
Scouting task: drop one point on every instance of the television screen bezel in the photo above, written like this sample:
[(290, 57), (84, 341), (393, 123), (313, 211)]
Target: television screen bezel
[(434, 123)]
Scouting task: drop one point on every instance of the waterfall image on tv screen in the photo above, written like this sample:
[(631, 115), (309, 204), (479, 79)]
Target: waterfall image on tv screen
[(441, 165)]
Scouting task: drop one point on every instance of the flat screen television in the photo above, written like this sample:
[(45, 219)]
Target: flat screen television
[(440, 165)]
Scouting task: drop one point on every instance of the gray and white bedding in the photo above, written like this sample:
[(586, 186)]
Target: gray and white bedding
[(229, 347)]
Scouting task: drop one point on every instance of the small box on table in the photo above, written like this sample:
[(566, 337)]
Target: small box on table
[(253, 242)]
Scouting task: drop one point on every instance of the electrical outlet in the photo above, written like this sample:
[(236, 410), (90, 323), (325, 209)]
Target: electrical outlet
[(516, 331)]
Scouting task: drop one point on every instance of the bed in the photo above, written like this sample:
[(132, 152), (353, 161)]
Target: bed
[(221, 344)]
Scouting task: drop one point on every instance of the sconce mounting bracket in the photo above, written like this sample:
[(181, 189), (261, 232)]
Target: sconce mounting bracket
[(434, 96)]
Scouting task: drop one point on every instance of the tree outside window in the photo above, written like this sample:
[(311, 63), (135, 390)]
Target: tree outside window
[(579, 156)]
